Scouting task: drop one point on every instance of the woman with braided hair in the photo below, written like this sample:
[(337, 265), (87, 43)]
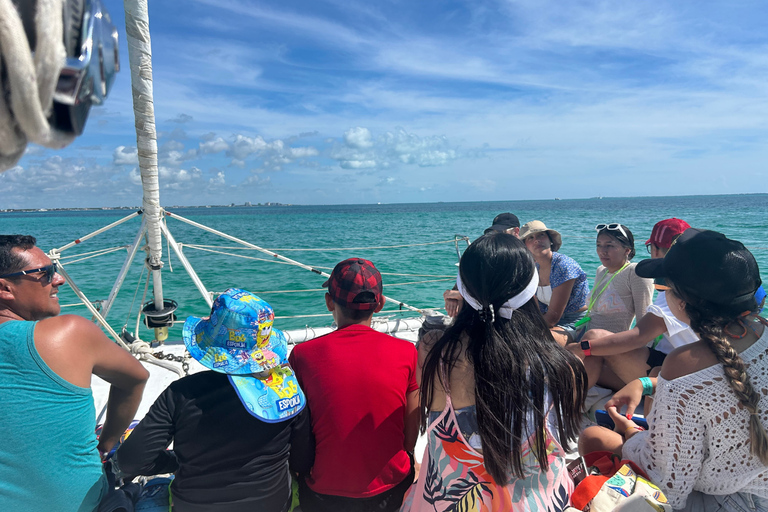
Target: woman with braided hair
[(500, 398), (707, 446)]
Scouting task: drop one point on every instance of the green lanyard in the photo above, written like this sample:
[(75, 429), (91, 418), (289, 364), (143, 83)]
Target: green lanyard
[(596, 296)]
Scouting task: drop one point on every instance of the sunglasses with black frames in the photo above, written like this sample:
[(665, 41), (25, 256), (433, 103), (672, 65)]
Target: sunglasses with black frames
[(50, 272)]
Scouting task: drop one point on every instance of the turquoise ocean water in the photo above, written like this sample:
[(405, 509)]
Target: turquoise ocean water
[(292, 230)]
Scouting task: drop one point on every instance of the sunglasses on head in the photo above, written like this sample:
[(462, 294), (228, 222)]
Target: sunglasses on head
[(50, 272), (660, 284), (613, 226)]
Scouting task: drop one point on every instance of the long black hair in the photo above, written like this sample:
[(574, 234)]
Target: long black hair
[(516, 362)]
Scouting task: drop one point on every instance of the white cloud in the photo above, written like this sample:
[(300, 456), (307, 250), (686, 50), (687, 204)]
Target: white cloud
[(173, 179), (362, 151), (33, 150), (181, 119), (218, 180), (213, 146), (244, 146), (135, 176), (358, 137), (176, 158), (274, 154), (319, 28), (125, 156), (357, 164), (172, 145), (255, 179), (61, 182), (303, 152)]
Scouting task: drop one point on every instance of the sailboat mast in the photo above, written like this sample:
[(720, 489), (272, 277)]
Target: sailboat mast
[(140, 60)]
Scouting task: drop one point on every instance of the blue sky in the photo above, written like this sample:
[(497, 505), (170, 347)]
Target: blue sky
[(326, 102)]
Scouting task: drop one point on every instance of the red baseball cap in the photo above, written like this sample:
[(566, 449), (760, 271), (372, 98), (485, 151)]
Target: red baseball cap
[(665, 232), (355, 283)]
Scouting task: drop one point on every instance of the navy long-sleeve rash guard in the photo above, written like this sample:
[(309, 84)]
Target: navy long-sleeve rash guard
[(225, 459)]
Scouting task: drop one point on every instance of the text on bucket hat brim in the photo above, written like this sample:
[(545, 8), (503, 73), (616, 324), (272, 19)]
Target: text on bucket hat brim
[(274, 398)]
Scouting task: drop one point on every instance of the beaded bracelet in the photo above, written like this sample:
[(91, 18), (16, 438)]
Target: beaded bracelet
[(647, 386)]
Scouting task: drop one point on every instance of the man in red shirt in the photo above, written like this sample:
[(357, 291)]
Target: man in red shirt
[(363, 397)]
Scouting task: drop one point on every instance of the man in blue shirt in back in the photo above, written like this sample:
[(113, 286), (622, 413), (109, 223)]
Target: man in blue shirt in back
[(49, 454)]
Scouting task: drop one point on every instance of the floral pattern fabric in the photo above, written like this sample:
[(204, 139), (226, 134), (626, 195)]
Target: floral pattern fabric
[(453, 477), (564, 269)]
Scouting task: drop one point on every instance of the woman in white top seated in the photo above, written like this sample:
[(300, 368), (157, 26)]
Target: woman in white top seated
[(707, 447), (563, 287)]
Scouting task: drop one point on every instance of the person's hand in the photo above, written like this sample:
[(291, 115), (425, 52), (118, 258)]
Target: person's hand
[(621, 423), (562, 336), (594, 334), (105, 446), (575, 349), (453, 302), (629, 396)]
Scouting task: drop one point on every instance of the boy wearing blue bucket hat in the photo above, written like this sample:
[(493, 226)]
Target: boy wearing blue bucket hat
[(236, 429)]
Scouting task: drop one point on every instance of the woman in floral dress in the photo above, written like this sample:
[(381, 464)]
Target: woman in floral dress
[(501, 398)]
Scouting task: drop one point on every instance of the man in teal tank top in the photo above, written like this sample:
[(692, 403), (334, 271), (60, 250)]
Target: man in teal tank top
[(49, 454)]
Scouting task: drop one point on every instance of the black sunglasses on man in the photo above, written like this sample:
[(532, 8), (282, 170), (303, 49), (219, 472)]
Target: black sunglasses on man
[(50, 272)]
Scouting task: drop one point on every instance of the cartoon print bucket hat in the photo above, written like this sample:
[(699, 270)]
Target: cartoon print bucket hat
[(238, 339)]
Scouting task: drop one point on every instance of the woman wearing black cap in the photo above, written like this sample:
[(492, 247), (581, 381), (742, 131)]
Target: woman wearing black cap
[(707, 447)]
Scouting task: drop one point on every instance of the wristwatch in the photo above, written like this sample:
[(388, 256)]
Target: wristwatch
[(586, 348)]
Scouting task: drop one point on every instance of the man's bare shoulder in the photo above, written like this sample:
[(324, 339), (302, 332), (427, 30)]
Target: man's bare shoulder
[(67, 326), (68, 322)]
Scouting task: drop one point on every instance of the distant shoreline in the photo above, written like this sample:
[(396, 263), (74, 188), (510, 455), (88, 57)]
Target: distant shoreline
[(276, 204), (108, 208)]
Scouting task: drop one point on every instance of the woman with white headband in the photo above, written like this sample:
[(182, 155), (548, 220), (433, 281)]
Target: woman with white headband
[(500, 398)]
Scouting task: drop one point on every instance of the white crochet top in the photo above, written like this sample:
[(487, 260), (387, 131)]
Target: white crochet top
[(698, 438)]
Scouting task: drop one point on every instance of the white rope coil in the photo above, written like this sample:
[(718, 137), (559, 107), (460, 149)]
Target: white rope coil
[(27, 96)]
